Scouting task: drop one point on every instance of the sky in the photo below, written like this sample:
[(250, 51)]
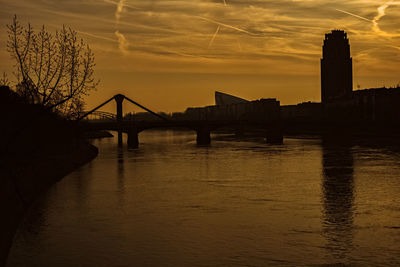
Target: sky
[(172, 54)]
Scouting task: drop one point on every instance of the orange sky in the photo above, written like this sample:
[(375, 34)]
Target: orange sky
[(171, 54)]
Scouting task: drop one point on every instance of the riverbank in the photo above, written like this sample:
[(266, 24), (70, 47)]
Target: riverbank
[(37, 149)]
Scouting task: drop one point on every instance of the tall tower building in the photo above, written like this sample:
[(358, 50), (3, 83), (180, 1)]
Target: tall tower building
[(336, 67)]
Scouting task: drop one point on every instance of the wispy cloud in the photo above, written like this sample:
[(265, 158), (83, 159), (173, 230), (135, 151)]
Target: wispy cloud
[(120, 8), (126, 5), (123, 44), (274, 37), (381, 13), (243, 30)]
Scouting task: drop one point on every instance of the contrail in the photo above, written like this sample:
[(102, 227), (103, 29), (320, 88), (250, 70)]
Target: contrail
[(120, 8), (216, 32), (98, 36), (125, 5), (354, 15), (212, 39), (123, 44), (381, 13), (375, 21), (228, 26)]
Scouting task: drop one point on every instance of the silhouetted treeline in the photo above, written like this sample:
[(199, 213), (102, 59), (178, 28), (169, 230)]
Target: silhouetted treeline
[(28, 126)]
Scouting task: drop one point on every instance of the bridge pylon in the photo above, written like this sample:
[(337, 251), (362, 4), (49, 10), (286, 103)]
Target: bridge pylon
[(119, 99), (132, 133)]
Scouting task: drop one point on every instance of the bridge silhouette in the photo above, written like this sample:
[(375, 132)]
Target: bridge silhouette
[(202, 127)]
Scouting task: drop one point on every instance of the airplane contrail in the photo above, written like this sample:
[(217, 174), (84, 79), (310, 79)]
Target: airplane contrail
[(216, 32), (212, 39), (381, 13), (120, 8), (123, 44), (354, 15), (228, 26), (125, 5), (98, 36), (375, 21)]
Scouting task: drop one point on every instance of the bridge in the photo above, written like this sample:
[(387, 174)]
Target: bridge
[(97, 120)]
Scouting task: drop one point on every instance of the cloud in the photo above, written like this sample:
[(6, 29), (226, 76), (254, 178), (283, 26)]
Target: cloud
[(213, 37), (236, 30), (381, 13), (118, 12), (266, 38), (123, 44)]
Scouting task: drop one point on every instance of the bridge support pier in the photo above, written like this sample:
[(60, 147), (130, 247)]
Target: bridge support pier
[(133, 138), (203, 136), (275, 135)]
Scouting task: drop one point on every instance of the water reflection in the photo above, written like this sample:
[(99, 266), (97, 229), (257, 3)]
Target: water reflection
[(121, 176), (171, 203), (338, 197)]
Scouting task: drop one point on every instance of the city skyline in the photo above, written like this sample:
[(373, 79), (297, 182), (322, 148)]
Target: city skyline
[(173, 54)]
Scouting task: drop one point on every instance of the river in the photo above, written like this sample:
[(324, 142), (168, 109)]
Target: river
[(247, 203)]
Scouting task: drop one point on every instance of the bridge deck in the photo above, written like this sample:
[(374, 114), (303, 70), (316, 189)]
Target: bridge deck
[(194, 125)]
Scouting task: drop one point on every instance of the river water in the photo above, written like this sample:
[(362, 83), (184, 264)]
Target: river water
[(247, 203)]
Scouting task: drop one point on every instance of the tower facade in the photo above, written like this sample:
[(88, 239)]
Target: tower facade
[(336, 67)]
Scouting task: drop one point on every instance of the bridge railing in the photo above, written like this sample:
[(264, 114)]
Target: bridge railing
[(100, 116)]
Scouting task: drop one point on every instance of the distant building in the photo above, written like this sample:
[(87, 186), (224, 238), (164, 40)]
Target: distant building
[(225, 99), (341, 103), (302, 112), (368, 105), (250, 111), (336, 67)]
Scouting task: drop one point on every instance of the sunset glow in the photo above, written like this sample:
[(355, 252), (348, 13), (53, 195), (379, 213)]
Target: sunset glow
[(172, 54)]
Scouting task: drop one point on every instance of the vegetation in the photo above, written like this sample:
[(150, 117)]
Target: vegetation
[(55, 71), (4, 80)]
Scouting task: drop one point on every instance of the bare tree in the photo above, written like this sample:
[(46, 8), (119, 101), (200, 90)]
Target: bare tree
[(55, 71), (4, 80)]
